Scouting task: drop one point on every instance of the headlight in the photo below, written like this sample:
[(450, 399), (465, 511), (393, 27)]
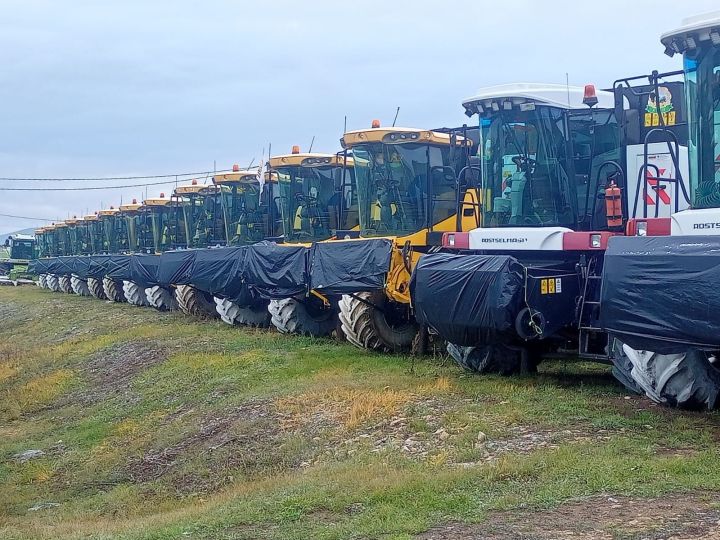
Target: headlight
[(642, 228), (595, 240)]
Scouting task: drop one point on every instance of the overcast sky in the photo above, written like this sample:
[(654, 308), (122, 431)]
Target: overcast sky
[(115, 88)]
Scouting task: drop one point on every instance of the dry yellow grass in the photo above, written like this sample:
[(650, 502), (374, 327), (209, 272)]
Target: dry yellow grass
[(6, 371), (42, 389)]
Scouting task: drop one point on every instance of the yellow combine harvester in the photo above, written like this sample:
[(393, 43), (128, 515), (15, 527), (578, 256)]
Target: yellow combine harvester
[(412, 186), (316, 203)]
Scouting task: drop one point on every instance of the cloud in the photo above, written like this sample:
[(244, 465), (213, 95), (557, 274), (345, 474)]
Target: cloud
[(102, 88)]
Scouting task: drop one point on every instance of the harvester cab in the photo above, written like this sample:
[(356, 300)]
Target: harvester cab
[(139, 235), (50, 237), (698, 40), (247, 206), (20, 250), (412, 185), (76, 236), (42, 237), (62, 239), (202, 214), (315, 197), (163, 217), (93, 233), (114, 231)]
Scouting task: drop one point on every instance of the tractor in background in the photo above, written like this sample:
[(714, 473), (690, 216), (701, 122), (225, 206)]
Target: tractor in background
[(19, 250)]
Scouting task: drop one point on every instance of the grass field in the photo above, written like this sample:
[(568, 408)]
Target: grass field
[(158, 426)]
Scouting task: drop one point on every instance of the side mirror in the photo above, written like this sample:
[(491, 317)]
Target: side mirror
[(7, 242)]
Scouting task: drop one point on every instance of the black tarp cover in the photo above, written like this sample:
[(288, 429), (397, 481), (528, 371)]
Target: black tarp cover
[(143, 269), (661, 293), (80, 266), (118, 267), (218, 272), (342, 267), (63, 266), (38, 266), (176, 267), (274, 271), (462, 297), (98, 266)]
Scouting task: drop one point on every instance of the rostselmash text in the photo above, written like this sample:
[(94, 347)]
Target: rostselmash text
[(504, 240), (709, 225)]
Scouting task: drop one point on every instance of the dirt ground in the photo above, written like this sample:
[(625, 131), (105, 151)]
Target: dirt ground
[(683, 517)]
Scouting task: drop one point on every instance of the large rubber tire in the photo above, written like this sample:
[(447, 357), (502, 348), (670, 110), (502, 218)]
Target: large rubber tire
[(79, 286), (113, 290), (495, 358), (367, 327), (95, 286), (291, 316), (42, 281), (256, 316), (161, 298), (65, 284), (134, 294), (53, 283), (685, 380), (195, 302)]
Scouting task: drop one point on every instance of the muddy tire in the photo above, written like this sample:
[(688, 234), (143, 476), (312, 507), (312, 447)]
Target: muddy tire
[(42, 281), (95, 286), (53, 283), (65, 284), (256, 316), (687, 380), (113, 290), (195, 302), (367, 327), (487, 358), (307, 318), (79, 286), (134, 294), (161, 298)]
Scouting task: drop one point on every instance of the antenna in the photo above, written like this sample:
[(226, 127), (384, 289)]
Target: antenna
[(311, 144), (396, 115), (251, 163), (567, 85), (345, 126)]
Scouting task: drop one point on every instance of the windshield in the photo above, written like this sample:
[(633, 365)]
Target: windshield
[(115, 236), (242, 213), (526, 180), (309, 203), (394, 194), (702, 77), (203, 220), (163, 221)]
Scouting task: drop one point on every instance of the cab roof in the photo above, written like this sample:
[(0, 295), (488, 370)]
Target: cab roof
[(132, 207), (157, 201), (247, 176), (108, 212), (397, 135), (309, 160), (494, 98), (692, 32), (192, 188)]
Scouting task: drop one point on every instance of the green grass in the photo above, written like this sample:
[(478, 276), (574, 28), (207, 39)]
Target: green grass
[(158, 426)]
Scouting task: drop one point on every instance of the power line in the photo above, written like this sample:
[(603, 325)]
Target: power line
[(108, 178), (88, 188), (25, 217)]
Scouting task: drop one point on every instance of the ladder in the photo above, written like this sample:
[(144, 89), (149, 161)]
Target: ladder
[(589, 333)]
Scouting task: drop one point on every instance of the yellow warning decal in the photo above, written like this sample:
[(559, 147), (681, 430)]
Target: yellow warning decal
[(543, 286), (551, 286)]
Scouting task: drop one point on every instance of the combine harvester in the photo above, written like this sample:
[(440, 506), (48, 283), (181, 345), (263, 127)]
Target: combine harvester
[(411, 187), (15, 258), (606, 269)]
